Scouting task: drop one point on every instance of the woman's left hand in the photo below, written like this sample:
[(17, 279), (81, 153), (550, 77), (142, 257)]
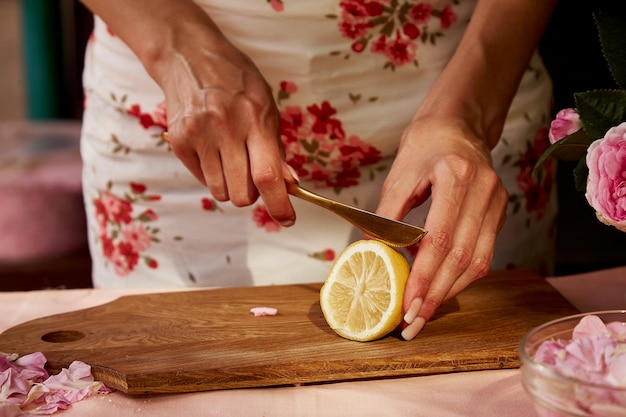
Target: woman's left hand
[(446, 160)]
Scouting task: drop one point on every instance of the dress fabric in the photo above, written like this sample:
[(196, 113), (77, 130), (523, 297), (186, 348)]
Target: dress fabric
[(347, 77)]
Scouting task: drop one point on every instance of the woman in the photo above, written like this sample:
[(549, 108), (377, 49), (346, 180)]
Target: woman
[(409, 108)]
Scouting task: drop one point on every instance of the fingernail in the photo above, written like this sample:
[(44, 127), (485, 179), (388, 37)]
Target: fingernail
[(287, 223), (413, 329), (293, 173), (414, 308)]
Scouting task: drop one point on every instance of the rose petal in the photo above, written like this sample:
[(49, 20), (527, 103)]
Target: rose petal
[(76, 381), (590, 326), (263, 311), (618, 329), (549, 351), (9, 410), (26, 386)]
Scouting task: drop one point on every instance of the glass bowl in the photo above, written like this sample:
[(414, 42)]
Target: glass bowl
[(556, 395)]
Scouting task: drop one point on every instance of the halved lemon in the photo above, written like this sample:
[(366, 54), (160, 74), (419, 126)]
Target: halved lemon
[(361, 298)]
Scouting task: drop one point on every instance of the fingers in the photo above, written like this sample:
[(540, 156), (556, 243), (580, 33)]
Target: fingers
[(223, 125), (238, 166), (199, 151), (269, 172), (483, 253), (405, 187), (235, 162), (467, 212)]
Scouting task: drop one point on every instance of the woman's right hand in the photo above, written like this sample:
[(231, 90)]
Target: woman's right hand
[(223, 123)]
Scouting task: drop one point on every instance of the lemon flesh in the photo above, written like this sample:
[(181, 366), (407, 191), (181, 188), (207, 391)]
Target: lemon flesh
[(361, 298)]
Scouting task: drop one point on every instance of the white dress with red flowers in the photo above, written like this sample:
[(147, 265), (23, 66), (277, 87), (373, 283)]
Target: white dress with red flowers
[(347, 77)]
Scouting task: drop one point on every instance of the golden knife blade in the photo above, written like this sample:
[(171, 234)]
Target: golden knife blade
[(389, 231)]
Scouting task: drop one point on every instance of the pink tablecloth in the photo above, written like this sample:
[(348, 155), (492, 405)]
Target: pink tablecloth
[(472, 394)]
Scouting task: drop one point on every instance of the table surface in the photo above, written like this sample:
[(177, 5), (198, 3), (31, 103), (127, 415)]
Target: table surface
[(475, 394)]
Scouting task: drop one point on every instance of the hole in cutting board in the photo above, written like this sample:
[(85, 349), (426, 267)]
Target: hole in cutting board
[(63, 336)]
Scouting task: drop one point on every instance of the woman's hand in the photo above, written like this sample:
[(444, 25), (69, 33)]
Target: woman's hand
[(223, 123), (446, 160), (445, 151)]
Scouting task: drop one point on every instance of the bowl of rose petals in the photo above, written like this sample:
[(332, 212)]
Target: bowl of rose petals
[(576, 365)]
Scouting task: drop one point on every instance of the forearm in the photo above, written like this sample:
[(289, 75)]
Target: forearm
[(482, 77), (157, 30), (222, 119)]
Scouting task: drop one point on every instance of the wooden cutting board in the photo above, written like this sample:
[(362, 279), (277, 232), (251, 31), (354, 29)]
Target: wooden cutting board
[(208, 340)]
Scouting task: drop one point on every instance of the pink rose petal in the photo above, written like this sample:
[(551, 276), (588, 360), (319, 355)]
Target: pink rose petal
[(596, 354), (76, 381), (10, 410), (263, 311), (26, 388), (618, 329), (590, 326)]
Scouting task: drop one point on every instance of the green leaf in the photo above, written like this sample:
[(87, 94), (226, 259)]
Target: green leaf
[(570, 148), (600, 110), (580, 174), (612, 33)]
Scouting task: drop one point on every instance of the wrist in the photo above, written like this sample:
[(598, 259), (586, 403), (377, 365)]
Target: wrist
[(177, 43), (468, 114)]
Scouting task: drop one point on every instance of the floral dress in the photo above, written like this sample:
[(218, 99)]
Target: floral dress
[(347, 77)]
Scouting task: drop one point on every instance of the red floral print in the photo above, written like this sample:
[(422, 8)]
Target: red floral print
[(317, 146), (392, 28), (289, 87), (447, 16), (323, 122), (137, 236), (124, 236), (285, 91), (210, 204), (420, 13), (138, 188), (156, 120), (277, 5), (325, 255), (536, 192), (399, 50), (263, 220)]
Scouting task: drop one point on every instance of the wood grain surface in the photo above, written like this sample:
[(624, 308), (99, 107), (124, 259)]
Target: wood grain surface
[(208, 339)]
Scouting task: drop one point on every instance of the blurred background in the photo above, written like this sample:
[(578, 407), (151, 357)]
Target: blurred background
[(43, 241), (41, 48)]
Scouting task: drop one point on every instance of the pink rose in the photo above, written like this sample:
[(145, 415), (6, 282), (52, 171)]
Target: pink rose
[(606, 184), (566, 122)]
